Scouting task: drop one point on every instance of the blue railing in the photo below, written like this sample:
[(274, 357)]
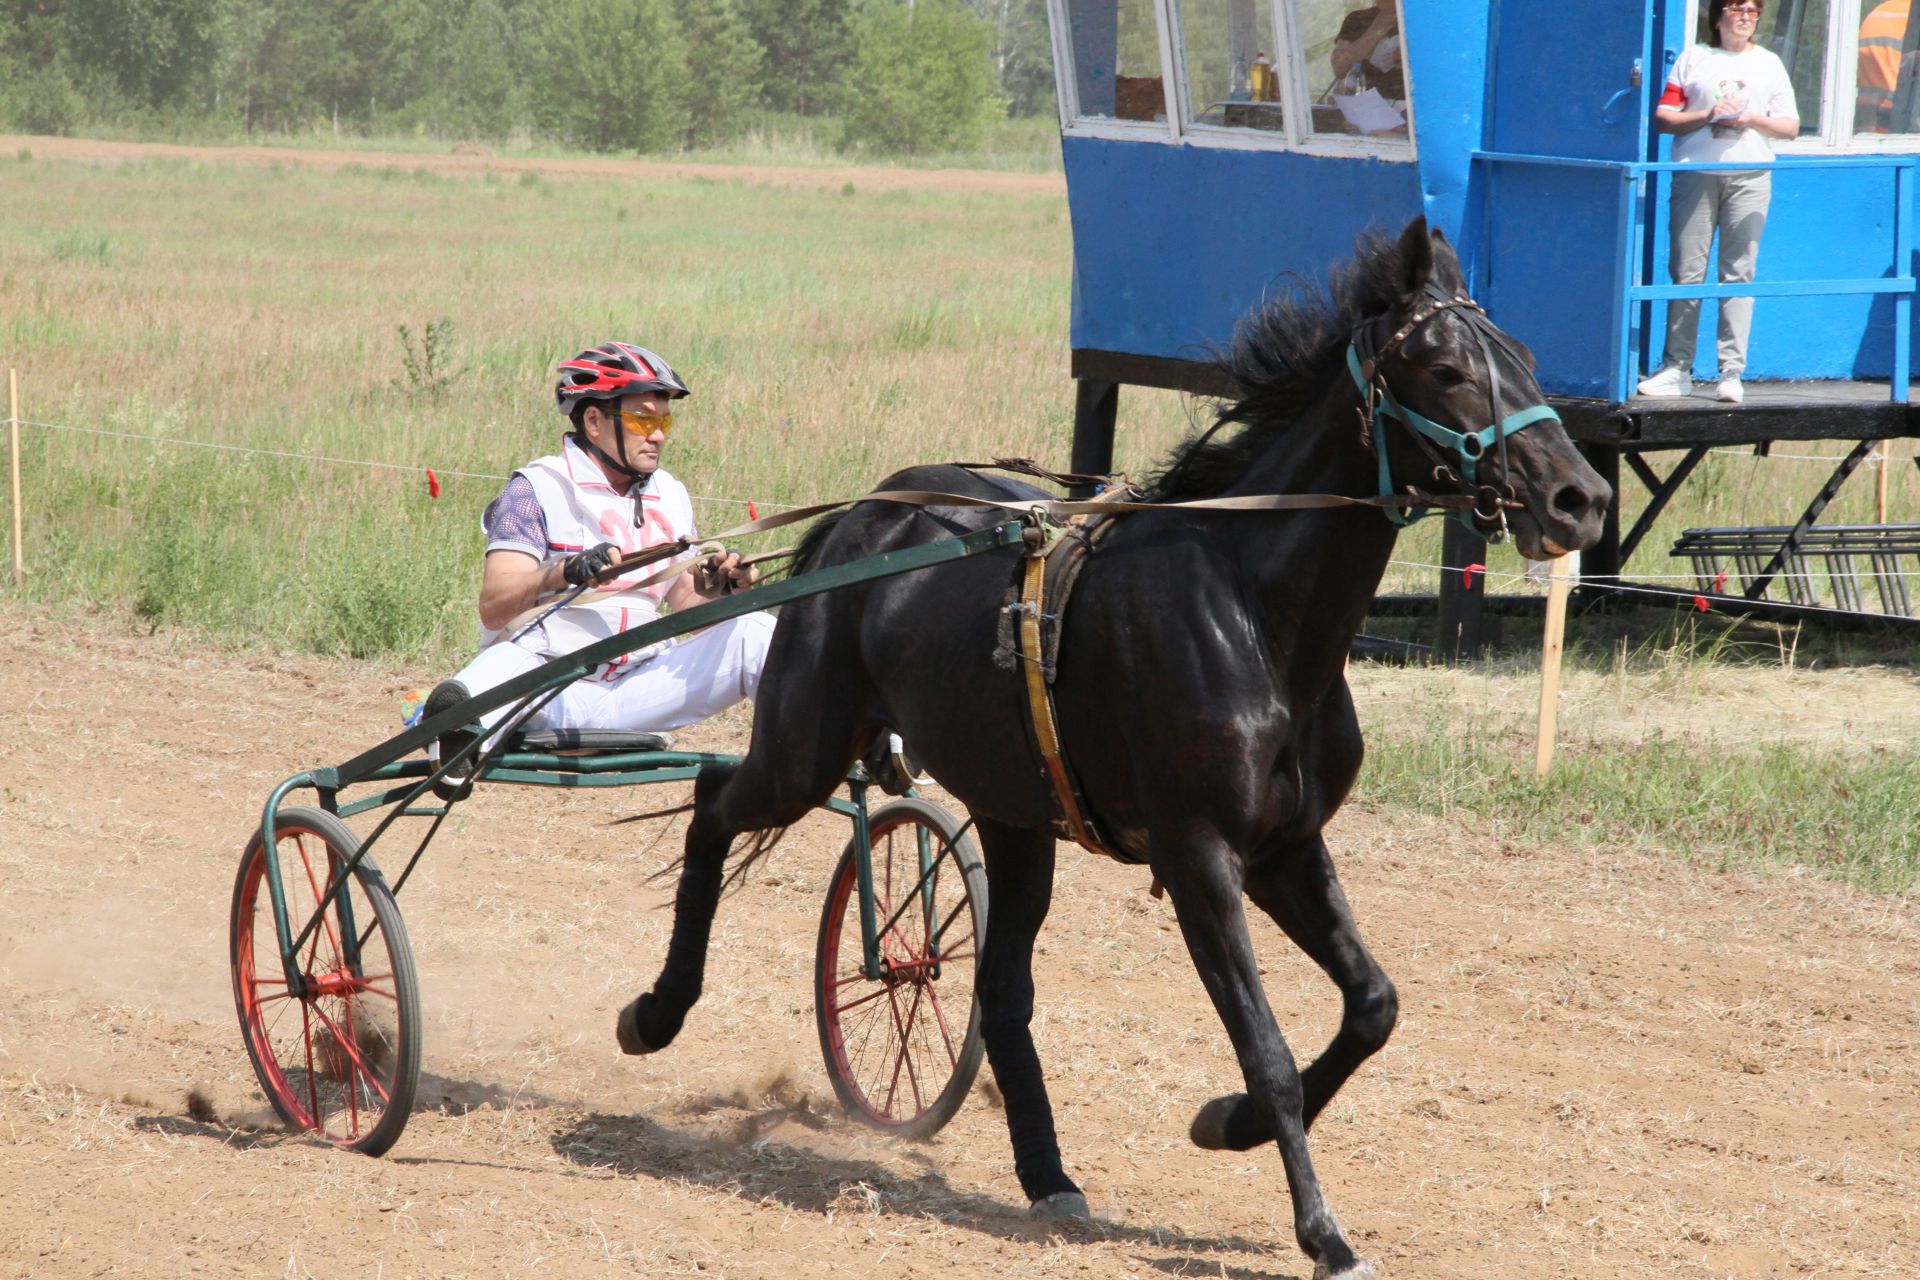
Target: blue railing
[(1631, 291)]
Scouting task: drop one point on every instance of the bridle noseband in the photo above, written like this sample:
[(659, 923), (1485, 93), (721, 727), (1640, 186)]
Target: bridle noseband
[(1488, 515)]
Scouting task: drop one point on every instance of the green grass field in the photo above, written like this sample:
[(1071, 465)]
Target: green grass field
[(831, 335), (1026, 144)]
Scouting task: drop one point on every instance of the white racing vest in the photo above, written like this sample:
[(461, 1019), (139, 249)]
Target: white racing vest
[(582, 510)]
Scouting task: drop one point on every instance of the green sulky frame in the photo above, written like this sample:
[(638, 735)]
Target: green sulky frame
[(899, 1052), (415, 777)]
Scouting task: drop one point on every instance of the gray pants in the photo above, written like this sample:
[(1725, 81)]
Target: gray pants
[(1735, 204)]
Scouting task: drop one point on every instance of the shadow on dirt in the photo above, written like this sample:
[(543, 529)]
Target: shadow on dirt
[(1212, 1269), (241, 1137), (748, 1164), (459, 1097), (255, 1125)]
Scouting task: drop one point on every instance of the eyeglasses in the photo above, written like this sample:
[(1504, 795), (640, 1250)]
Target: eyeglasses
[(1744, 10), (641, 425)]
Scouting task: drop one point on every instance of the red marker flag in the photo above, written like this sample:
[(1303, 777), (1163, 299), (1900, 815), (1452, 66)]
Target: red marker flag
[(1720, 581), (433, 484), (1700, 603), (752, 512), (1466, 574)]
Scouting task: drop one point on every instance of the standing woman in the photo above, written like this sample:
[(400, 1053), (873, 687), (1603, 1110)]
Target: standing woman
[(1724, 101)]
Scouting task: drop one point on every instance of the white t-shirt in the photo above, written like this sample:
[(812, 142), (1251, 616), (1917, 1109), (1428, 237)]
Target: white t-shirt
[(1703, 76)]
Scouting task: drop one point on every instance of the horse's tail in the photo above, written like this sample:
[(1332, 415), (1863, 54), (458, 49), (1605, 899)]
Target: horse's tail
[(747, 854)]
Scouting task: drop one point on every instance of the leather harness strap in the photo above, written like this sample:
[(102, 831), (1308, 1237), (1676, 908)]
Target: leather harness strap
[(1032, 507), (1059, 558), (1052, 554)]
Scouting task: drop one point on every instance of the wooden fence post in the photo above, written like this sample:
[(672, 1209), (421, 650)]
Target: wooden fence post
[(1558, 586), (1880, 482), (13, 444)]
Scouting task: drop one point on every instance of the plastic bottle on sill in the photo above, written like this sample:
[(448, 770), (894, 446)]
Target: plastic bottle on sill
[(1263, 85)]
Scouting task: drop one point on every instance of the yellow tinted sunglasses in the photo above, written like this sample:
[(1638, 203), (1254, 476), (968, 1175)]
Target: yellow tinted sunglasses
[(641, 425)]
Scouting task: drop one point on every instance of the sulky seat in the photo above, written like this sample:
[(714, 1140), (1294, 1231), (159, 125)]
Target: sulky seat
[(582, 742)]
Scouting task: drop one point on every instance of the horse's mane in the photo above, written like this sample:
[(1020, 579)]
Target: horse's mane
[(1281, 358)]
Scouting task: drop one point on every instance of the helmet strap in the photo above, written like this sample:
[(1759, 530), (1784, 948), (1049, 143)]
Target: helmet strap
[(634, 478)]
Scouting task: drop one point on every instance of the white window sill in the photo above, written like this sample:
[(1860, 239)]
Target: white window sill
[(1228, 139), (1896, 144)]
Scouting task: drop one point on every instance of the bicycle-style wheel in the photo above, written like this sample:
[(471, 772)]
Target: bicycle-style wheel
[(902, 1048), (340, 1057)]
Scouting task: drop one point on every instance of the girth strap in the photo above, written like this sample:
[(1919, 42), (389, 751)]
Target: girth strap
[(1075, 817)]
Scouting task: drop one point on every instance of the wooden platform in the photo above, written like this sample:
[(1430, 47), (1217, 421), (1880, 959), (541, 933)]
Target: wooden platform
[(1813, 410), (1807, 410), (1613, 436)]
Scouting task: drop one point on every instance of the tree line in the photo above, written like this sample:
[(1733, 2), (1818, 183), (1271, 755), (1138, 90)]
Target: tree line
[(899, 76)]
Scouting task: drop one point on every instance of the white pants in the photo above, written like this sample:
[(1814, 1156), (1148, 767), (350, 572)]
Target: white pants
[(1735, 204), (691, 679)]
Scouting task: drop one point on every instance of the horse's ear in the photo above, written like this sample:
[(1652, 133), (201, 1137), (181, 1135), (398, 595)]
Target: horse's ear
[(1426, 257), (1416, 257), (1446, 266)]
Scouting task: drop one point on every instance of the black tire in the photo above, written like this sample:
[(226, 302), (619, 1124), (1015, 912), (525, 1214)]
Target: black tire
[(900, 1057), (341, 1061)]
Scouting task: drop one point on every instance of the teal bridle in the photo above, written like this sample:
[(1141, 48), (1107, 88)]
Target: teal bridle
[(1466, 448)]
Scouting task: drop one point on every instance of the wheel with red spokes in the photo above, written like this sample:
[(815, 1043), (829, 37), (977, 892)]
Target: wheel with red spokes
[(901, 1035), (337, 1048)]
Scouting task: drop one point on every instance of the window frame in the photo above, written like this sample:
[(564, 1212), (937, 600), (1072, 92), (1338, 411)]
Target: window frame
[(1180, 128), (1066, 86)]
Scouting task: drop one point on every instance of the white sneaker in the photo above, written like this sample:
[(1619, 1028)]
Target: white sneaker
[(1730, 389), (1666, 383)]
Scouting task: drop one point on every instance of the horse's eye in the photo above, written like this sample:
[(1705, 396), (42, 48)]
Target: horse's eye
[(1446, 375)]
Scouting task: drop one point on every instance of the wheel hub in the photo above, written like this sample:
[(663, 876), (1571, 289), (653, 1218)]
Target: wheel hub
[(337, 983)]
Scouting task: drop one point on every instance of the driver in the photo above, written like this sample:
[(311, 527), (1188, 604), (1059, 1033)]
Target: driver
[(561, 521)]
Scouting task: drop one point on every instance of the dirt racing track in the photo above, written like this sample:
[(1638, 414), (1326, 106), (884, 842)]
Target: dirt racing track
[(1607, 1066)]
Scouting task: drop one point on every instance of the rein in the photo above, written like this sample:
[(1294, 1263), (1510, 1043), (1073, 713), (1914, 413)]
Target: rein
[(1034, 509), (1377, 403), (1482, 508)]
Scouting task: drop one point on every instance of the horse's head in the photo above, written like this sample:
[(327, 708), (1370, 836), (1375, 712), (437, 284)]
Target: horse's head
[(1453, 408)]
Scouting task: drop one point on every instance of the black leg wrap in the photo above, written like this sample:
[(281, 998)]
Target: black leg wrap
[(1036, 1148)]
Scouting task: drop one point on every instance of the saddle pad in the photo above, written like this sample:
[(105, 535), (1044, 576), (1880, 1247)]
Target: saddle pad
[(585, 740)]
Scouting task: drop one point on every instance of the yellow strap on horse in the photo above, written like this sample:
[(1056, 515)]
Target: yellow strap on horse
[(1046, 728)]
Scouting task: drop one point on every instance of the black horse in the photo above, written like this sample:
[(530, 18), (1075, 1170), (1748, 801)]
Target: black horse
[(1200, 690)]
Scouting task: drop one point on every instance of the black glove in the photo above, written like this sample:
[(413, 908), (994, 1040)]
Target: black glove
[(585, 567)]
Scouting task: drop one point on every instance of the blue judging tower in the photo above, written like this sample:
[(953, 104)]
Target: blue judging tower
[(1214, 147)]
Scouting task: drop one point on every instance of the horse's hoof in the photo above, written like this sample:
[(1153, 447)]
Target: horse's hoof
[(1061, 1206), (627, 1029), (1360, 1270), (1209, 1129)]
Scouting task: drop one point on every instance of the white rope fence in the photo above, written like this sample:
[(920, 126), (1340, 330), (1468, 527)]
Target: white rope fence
[(1556, 579), (1542, 579), (420, 469), (1877, 458)]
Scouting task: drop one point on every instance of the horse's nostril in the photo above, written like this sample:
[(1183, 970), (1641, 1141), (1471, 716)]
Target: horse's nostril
[(1572, 501)]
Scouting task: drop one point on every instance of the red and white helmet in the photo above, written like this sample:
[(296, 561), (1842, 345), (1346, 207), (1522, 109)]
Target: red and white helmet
[(612, 370)]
